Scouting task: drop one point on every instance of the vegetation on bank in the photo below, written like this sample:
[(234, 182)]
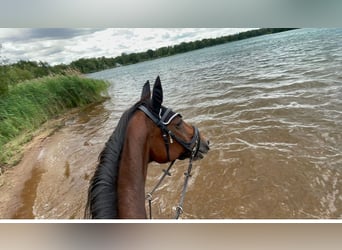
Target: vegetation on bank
[(12, 74), (26, 106)]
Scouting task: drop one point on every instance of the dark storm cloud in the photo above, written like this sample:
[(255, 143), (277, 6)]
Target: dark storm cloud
[(59, 33), (49, 34)]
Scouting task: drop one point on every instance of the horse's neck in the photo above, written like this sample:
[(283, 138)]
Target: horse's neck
[(132, 172)]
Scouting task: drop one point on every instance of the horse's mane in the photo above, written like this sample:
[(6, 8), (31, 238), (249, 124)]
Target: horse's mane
[(102, 192)]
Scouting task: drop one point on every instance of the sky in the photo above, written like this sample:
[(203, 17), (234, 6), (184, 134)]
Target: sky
[(64, 45)]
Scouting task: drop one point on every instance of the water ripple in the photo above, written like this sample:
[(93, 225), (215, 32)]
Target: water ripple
[(272, 107)]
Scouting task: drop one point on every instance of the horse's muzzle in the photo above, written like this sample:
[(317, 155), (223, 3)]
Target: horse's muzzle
[(203, 149)]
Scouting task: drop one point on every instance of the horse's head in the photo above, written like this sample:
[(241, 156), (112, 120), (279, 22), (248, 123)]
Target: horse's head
[(171, 137)]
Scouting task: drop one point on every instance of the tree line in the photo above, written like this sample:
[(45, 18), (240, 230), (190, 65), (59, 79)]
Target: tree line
[(27, 70), (90, 65)]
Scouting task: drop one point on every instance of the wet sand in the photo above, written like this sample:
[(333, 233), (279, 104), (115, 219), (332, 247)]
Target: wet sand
[(48, 182)]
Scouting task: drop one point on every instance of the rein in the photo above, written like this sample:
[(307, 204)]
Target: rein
[(192, 148)]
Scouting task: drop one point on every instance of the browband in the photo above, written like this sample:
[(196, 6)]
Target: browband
[(166, 115)]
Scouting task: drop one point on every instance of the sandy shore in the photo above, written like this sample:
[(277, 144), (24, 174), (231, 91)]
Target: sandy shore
[(19, 183)]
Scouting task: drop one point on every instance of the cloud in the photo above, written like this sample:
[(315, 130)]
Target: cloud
[(17, 35), (65, 45), (59, 33)]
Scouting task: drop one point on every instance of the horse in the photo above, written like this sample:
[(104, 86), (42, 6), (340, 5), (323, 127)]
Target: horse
[(146, 132)]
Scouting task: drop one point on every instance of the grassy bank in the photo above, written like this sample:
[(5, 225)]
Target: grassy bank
[(28, 105)]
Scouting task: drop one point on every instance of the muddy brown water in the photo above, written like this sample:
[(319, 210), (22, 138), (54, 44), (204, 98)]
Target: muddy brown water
[(271, 107)]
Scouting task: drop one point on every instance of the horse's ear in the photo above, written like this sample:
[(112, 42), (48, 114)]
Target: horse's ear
[(146, 92), (157, 97)]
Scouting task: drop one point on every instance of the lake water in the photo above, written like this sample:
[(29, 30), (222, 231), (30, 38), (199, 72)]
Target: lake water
[(272, 109)]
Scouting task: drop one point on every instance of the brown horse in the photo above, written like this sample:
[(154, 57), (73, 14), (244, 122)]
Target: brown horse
[(146, 132)]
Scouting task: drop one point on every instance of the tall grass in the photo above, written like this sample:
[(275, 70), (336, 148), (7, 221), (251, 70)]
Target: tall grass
[(28, 105)]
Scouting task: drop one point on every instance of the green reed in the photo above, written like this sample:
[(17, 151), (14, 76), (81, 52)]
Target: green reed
[(28, 105)]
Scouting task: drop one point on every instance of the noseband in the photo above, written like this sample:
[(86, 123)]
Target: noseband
[(165, 117)]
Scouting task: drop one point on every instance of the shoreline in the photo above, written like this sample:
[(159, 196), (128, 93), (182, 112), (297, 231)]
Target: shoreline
[(46, 130), (19, 183)]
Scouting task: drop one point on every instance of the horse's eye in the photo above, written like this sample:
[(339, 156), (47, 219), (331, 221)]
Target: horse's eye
[(178, 125)]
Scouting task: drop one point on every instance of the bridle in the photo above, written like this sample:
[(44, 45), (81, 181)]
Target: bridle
[(165, 117)]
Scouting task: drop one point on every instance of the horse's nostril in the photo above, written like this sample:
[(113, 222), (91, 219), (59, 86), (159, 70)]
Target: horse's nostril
[(207, 146)]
